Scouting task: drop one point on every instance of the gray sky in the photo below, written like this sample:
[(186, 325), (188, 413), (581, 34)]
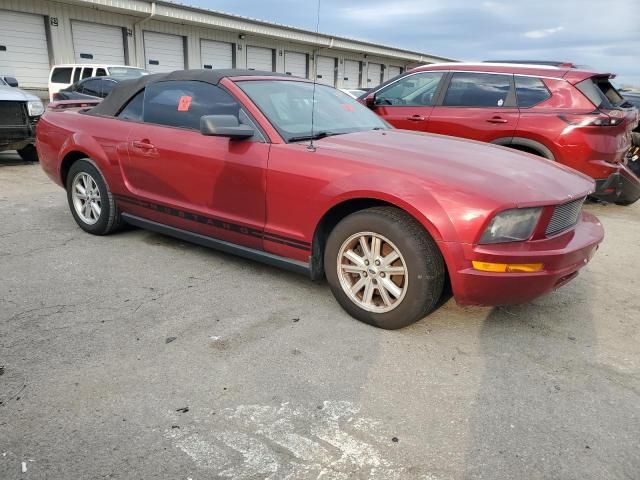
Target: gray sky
[(602, 34)]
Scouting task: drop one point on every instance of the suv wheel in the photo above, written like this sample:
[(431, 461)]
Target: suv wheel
[(90, 200), (29, 153), (384, 268)]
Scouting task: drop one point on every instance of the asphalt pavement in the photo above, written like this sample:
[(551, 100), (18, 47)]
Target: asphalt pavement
[(137, 356)]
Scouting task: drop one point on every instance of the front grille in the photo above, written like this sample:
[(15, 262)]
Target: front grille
[(13, 114), (564, 216)]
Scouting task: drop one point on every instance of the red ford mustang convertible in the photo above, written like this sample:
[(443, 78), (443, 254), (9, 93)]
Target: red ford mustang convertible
[(224, 159)]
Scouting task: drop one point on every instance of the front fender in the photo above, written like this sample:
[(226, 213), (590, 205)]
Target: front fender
[(405, 193)]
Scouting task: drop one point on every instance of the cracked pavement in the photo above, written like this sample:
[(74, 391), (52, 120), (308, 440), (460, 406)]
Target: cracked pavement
[(268, 378)]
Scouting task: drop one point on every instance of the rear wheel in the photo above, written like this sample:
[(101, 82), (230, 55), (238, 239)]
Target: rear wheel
[(29, 153), (384, 268), (90, 200)]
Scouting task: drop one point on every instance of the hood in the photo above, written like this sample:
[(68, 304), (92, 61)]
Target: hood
[(479, 169), (14, 94)]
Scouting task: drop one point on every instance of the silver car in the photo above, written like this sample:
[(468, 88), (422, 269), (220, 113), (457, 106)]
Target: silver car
[(19, 113)]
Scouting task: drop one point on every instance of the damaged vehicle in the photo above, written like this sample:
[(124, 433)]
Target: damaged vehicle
[(568, 114), (19, 113), (302, 176)]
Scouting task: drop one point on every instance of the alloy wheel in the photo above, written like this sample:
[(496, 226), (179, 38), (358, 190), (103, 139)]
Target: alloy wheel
[(372, 272), (86, 198)]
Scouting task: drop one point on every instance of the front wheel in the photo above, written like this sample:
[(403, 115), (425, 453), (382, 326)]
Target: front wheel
[(384, 268)]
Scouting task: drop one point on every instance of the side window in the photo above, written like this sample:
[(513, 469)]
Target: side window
[(182, 103), (418, 89), (133, 109), (477, 90), (76, 74), (61, 75), (530, 91), (107, 86), (91, 87), (87, 72), (101, 72)]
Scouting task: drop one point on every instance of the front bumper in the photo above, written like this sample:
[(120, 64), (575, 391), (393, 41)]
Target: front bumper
[(562, 256), (622, 186), (14, 135), (11, 136)]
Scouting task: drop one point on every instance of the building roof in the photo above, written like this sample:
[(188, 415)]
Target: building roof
[(181, 13)]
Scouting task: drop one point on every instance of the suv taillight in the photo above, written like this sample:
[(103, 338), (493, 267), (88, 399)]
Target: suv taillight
[(600, 119)]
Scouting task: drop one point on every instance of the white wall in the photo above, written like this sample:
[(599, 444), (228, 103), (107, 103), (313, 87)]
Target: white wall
[(61, 42)]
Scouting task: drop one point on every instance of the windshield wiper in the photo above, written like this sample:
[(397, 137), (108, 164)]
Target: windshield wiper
[(315, 136)]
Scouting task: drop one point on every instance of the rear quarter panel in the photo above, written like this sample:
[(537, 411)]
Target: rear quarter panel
[(571, 146), (100, 138)]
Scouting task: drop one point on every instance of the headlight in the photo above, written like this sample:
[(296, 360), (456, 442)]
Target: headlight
[(511, 225), (35, 108)]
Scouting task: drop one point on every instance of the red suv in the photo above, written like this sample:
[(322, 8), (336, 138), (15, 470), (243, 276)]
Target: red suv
[(569, 115)]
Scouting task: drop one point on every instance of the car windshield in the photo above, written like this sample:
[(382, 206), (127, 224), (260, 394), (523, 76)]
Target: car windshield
[(125, 72), (288, 106), (2, 82)]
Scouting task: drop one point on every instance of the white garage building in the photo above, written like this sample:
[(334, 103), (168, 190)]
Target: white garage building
[(163, 36)]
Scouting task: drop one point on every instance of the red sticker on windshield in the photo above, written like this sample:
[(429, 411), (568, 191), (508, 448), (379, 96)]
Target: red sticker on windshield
[(347, 107), (184, 103)]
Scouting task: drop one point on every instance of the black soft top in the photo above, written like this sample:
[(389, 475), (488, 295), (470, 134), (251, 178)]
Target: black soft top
[(127, 89)]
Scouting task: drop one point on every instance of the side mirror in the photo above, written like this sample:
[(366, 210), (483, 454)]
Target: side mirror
[(224, 126), (370, 100), (12, 82)]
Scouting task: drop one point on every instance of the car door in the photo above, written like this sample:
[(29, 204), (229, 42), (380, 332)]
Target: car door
[(204, 184), (479, 106), (408, 102)]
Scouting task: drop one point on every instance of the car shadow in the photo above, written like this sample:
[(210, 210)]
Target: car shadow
[(11, 158), (545, 405)]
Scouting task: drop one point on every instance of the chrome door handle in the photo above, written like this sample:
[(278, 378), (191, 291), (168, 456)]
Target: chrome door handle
[(143, 145)]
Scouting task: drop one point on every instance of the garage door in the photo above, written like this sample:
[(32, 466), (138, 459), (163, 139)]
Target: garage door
[(23, 48), (374, 75), (393, 71), (259, 58), (95, 43), (326, 70), (163, 52), (295, 64), (351, 77), (216, 54)]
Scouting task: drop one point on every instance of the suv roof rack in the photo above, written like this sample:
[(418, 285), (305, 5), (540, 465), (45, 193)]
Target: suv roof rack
[(548, 63)]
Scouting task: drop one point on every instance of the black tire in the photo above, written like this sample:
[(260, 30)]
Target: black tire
[(109, 219), (29, 153), (423, 262)]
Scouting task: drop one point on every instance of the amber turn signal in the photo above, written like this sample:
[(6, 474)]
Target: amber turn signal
[(507, 267)]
